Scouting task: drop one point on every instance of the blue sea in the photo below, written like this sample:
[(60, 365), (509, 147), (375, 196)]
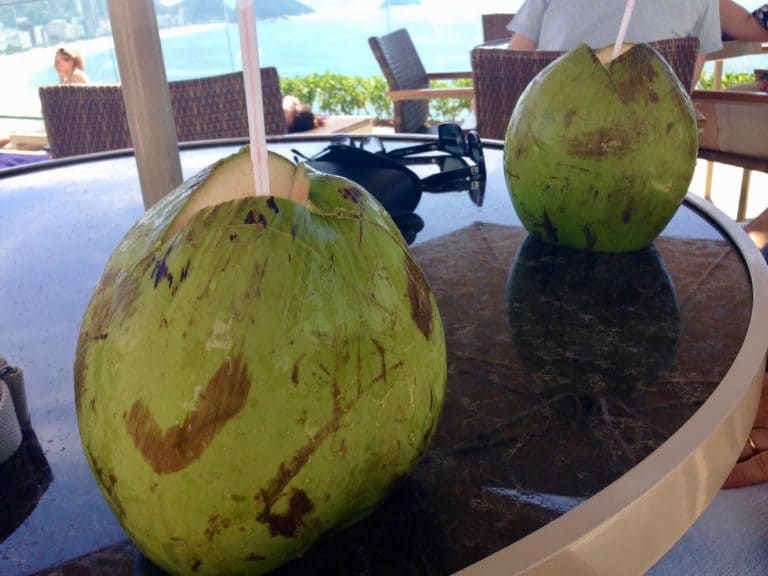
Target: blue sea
[(329, 40), (299, 46)]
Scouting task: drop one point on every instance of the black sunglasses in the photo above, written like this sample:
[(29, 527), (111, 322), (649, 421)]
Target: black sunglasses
[(365, 161), (456, 175), (450, 170), (450, 139), (371, 143), (456, 168)]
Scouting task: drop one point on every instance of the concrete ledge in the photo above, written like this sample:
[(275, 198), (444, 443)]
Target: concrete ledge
[(344, 125), (28, 140)]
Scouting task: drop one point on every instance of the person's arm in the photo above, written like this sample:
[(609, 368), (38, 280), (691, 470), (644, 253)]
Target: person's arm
[(758, 229), (521, 42), (739, 24), (526, 25), (697, 69), (752, 467)]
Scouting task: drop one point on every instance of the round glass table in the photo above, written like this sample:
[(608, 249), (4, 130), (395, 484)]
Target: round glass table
[(595, 403)]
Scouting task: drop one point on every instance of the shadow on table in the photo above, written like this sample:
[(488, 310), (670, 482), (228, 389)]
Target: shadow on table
[(24, 478)]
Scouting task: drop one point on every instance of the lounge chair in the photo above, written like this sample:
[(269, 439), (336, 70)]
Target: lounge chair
[(409, 82)]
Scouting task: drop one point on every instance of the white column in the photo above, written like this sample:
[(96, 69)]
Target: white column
[(146, 96)]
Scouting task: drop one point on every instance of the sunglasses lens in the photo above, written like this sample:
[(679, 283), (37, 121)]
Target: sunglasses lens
[(447, 163), (475, 148), (341, 140), (451, 139), (372, 143)]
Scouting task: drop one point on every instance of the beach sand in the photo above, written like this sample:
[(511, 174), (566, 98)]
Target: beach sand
[(18, 96)]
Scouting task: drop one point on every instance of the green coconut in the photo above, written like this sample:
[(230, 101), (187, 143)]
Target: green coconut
[(599, 157), (255, 372)]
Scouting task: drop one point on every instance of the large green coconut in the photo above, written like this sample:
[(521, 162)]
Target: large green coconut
[(254, 372), (599, 157)]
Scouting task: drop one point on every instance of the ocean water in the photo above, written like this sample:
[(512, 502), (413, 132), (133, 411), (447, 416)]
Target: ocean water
[(333, 39), (301, 45)]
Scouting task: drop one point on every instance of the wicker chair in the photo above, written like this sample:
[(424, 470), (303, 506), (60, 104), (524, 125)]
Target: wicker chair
[(500, 75), (215, 107), (84, 118), (495, 26), (408, 81), (87, 118)]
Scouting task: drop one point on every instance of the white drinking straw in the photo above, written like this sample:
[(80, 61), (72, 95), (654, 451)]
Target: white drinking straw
[(246, 17), (623, 29)]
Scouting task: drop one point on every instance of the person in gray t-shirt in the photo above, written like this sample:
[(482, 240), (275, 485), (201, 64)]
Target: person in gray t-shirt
[(564, 24)]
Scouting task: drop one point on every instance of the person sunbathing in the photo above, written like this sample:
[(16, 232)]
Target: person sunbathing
[(298, 116), (70, 66)]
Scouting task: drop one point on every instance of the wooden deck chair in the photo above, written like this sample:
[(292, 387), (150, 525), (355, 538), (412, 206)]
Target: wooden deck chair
[(408, 81), (734, 133)]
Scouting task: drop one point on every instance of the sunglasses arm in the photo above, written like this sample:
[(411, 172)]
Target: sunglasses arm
[(461, 174), (408, 150)]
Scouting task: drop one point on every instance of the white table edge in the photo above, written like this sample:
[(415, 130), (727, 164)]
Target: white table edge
[(629, 525)]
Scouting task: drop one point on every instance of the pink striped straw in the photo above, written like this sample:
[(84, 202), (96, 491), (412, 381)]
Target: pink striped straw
[(249, 48), (623, 29)]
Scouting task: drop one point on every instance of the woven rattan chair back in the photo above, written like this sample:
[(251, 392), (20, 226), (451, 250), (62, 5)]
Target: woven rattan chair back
[(215, 107), (495, 26), (403, 69), (88, 118), (499, 77), (84, 118)]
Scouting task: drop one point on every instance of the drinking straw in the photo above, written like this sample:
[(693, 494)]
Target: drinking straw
[(246, 17), (623, 29)]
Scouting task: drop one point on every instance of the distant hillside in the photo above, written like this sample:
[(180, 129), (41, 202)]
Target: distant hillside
[(266, 9), (212, 10), (400, 3)]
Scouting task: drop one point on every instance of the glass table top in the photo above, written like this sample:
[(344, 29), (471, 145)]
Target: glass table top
[(566, 370)]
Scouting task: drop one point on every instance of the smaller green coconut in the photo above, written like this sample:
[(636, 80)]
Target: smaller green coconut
[(599, 157)]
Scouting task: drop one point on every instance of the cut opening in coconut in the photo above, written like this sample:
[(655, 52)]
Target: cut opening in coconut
[(605, 55), (232, 179)]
